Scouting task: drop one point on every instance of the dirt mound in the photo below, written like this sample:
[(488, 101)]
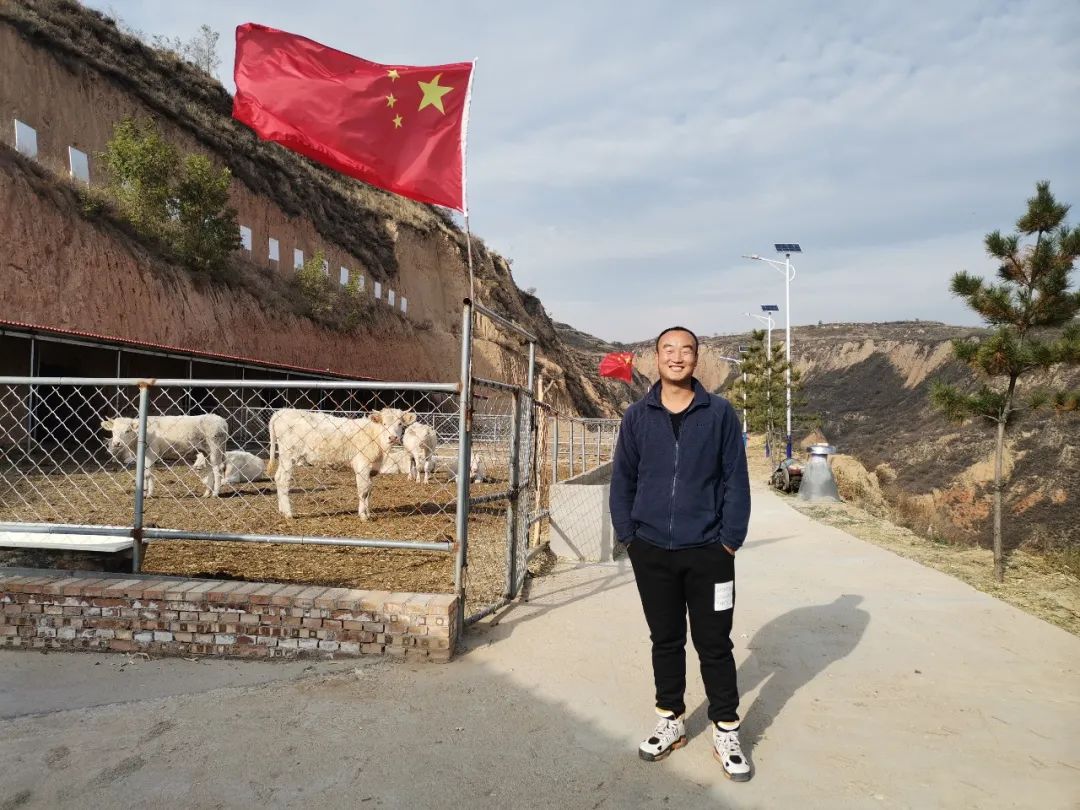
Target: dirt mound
[(815, 436), (857, 485)]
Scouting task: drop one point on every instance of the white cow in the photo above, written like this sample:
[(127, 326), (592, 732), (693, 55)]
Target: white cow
[(398, 461), (477, 470), (319, 439), (240, 468), (171, 437), (420, 442)]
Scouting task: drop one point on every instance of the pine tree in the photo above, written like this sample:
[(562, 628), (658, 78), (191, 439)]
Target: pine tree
[(1033, 314), (761, 380)]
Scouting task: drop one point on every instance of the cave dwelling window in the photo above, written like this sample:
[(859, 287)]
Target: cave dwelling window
[(25, 139), (297, 258), (343, 276), (378, 291), (275, 250), (390, 297), (245, 237), (404, 305), (78, 165), (326, 268)]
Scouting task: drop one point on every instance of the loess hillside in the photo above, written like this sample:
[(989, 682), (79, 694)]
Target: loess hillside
[(63, 52)]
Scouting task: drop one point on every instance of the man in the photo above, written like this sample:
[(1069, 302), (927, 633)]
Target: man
[(680, 501)]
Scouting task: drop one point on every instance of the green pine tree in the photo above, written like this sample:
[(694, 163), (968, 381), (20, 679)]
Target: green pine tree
[(760, 386), (1033, 314)]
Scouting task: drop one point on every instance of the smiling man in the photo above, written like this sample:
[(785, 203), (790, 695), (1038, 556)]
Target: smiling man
[(680, 501)]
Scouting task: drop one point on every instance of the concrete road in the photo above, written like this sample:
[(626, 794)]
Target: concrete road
[(868, 681)]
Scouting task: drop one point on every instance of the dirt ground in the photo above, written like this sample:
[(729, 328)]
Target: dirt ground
[(324, 504), (1032, 582)]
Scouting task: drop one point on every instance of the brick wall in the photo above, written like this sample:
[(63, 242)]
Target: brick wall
[(46, 610)]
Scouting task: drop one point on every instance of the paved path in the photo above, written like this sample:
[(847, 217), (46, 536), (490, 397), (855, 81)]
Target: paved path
[(868, 681)]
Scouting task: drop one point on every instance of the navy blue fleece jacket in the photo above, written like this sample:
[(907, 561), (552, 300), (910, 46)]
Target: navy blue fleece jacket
[(685, 493)]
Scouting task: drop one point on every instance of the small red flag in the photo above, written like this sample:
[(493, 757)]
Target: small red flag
[(619, 365), (398, 127)]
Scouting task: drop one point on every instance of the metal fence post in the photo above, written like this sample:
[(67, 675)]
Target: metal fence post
[(512, 504), (530, 425), (464, 461), (584, 463), (30, 401), (555, 450), (140, 474), (570, 447)]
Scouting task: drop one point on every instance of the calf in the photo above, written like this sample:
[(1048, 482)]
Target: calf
[(319, 439), (171, 437), (477, 470), (420, 442), (240, 468)]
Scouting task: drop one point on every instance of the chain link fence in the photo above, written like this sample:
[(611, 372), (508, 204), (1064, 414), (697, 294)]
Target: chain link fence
[(444, 488)]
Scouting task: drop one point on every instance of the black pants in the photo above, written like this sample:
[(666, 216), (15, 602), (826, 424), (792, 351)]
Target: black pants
[(700, 581)]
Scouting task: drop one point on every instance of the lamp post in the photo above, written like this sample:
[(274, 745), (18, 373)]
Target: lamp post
[(767, 319), (738, 362), (788, 269)]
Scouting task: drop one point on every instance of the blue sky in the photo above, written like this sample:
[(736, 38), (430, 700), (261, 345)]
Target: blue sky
[(625, 154)]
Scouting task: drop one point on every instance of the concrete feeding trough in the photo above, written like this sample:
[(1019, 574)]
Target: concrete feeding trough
[(580, 519), (818, 484)]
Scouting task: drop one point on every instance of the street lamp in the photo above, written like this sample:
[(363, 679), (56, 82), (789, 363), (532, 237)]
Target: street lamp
[(767, 319), (738, 362), (788, 269)]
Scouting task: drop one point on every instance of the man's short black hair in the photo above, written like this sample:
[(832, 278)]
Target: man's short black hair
[(677, 329)]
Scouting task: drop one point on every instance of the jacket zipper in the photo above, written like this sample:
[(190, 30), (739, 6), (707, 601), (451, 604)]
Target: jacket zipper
[(671, 520)]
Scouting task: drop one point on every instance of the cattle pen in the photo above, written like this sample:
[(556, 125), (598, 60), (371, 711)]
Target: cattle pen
[(467, 524)]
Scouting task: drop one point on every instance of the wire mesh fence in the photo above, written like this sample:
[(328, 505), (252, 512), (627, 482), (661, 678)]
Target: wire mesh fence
[(223, 459), (579, 445), (369, 467)]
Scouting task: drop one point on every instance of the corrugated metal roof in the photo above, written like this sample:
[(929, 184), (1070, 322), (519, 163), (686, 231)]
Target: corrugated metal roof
[(119, 342)]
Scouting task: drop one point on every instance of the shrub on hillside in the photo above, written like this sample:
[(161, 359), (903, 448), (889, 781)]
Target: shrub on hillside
[(179, 200)]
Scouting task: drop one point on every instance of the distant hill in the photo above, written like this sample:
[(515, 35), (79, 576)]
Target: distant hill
[(869, 384)]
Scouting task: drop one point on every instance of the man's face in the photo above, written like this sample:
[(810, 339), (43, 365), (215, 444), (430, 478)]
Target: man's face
[(676, 357)]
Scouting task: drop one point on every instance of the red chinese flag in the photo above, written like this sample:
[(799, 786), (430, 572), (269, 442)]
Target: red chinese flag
[(619, 365), (398, 127)]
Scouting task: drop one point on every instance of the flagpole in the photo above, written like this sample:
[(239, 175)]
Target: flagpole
[(465, 180)]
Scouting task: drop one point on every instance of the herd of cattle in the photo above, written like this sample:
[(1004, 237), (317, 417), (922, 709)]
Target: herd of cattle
[(388, 441)]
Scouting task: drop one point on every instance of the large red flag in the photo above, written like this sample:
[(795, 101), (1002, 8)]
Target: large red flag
[(398, 127), (618, 365)]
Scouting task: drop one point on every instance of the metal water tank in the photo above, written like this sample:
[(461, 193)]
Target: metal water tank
[(818, 484)]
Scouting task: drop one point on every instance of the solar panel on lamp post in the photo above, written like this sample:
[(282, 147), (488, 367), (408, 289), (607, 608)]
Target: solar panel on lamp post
[(788, 269)]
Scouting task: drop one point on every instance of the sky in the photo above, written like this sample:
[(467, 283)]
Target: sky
[(625, 155)]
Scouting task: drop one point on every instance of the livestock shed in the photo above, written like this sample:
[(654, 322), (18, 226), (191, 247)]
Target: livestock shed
[(28, 350)]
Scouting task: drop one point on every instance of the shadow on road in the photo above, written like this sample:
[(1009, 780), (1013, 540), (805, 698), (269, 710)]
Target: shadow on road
[(788, 653)]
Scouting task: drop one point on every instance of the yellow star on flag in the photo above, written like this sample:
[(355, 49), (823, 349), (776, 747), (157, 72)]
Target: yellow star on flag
[(397, 122), (390, 100), (433, 93), (393, 74)]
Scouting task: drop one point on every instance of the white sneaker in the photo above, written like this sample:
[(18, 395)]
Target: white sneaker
[(728, 752), (670, 734)]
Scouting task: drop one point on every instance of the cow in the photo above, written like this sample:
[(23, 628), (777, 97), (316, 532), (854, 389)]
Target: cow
[(420, 442), (240, 468), (398, 461), (477, 469), (172, 437), (319, 439)]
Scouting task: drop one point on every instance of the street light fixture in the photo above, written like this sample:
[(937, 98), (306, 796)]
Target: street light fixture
[(737, 361), (788, 269)]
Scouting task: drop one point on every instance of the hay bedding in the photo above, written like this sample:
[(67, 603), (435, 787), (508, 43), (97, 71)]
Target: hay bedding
[(324, 503)]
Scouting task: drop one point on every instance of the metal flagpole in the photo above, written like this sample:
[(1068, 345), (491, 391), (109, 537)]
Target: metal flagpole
[(465, 183)]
